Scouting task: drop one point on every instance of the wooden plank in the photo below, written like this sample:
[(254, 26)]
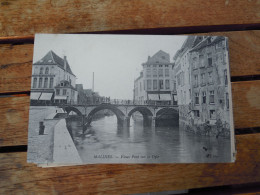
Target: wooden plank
[(246, 104), (16, 60), (14, 120), (19, 177), (23, 18), (14, 112), (15, 67)]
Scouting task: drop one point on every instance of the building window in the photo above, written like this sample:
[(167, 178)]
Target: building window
[(167, 84), (40, 83), (57, 91), (197, 98), (45, 83), (174, 86), (47, 70), (210, 78), (210, 59), (195, 65), (166, 66), (204, 97), (41, 70), (219, 45), (160, 72), (64, 92), (225, 77), (196, 84), (212, 114), (211, 97), (203, 79), (154, 84), (140, 86), (161, 84), (144, 85), (184, 97), (196, 113), (148, 72), (201, 60), (219, 58), (149, 84), (51, 83), (34, 82), (227, 101), (167, 72), (182, 78), (154, 65), (179, 79), (154, 72)]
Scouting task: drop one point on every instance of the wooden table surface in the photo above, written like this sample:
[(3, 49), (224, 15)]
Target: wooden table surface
[(20, 20)]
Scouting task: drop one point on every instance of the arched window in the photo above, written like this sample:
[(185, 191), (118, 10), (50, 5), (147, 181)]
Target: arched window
[(41, 70), (34, 82), (40, 83), (51, 83), (45, 83), (47, 70)]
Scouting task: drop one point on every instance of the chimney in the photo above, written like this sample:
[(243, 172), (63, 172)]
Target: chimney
[(65, 63)]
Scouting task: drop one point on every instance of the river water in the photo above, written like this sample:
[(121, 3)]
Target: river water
[(105, 142)]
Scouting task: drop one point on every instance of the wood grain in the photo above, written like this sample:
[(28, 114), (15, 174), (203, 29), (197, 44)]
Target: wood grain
[(15, 67), (27, 17), (14, 120), (14, 112), (20, 177), (16, 60)]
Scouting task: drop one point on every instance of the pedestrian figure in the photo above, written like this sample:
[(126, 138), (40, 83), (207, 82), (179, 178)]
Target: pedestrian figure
[(207, 128), (219, 127)]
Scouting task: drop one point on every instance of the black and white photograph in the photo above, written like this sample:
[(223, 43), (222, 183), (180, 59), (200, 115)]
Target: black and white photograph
[(130, 99)]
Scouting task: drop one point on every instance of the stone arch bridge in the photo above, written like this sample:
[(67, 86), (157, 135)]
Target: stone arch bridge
[(123, 112)]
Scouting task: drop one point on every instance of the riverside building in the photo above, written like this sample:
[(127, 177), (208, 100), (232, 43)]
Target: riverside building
[(53, 81), (201, 71), (155, 85)]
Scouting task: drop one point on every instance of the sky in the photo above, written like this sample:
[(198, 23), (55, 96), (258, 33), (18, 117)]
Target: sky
[(116, 60)]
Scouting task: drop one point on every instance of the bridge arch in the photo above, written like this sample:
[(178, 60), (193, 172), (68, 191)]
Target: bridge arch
[(146, 113), (143, 110), (167, 116), (119, 114), (68, 109)]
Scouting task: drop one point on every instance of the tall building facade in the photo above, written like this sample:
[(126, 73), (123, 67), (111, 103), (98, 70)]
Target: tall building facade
[(53, 81), (210, 79), (155, 85), (201, 71), (182, 73)]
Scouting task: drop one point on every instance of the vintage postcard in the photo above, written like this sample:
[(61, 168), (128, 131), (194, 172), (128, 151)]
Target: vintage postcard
[(130, 99)]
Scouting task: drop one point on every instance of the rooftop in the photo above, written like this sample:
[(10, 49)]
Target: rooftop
[(52, 58)]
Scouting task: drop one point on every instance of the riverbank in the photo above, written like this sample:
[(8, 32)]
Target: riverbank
[(64, 150)]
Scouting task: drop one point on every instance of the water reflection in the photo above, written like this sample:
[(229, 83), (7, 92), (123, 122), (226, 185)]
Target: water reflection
[(171, 144)]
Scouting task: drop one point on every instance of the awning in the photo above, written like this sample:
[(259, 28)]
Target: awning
[(60, 97), (153, 97), (46, 96), (35, 95), (165, 97)]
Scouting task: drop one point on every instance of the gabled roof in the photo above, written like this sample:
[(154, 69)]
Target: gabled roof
[(187, 44), (160, 57), (52, 58), (206, 42)]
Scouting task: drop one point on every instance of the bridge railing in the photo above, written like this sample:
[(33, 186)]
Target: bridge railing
[(123, 102)]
